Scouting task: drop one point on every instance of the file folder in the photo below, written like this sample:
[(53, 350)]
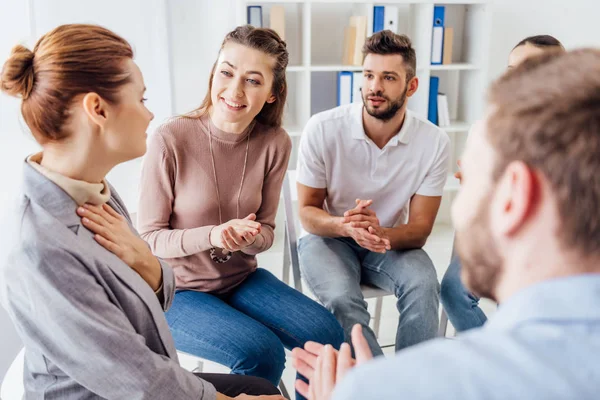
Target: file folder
[(378, 18), (432, 112), (344, 88), (278, 20), (439, 16), (448, 42), (255, 16), (437, 44), (357, 81), (360, 23), (391, 18)]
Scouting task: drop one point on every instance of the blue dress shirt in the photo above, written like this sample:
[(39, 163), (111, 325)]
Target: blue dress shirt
[(542, 344)]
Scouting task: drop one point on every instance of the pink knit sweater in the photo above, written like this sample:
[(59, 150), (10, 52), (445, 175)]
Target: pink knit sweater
[(178, 200)]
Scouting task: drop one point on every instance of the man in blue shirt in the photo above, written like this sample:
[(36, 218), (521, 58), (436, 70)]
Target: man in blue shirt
[(528, 233)]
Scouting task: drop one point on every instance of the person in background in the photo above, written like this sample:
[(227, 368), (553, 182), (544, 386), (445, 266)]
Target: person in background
[(528, 234), (83, 290), (210, 189), (460, 304), (370, 180)]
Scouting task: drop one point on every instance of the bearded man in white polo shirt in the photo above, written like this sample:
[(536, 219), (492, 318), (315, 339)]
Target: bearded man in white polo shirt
[(370, 179)]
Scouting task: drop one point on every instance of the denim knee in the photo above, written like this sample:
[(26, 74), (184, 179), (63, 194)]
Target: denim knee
[(264, 358), (342, 302), (424, 283), (452, 289), (330, 331)]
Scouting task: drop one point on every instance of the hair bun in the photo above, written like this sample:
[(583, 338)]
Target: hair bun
[(17, 74)]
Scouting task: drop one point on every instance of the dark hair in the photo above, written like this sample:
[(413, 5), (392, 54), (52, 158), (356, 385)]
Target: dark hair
[(269, 42), (541, 41), (386, 42), (67, 61), (545, 114)]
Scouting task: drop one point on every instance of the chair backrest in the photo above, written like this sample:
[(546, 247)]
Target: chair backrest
[(12, 383), (290, 226)]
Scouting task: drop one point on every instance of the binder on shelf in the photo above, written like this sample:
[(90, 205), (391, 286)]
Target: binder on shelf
[(357, 81), (448, 42), (360, 23), (378, 18), (437, 45), (349, 39), (443, 111), (439, 16), (391, 18), (432, 112), (344, 88), (255, 16), (277, 20)]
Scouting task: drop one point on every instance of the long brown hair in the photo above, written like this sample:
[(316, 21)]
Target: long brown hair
[(67, 61), (269, 42)]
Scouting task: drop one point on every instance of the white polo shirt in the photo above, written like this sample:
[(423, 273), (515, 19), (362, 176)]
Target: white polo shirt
[(336, 154)]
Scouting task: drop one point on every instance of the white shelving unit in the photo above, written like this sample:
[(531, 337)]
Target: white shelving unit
[(315, 37)]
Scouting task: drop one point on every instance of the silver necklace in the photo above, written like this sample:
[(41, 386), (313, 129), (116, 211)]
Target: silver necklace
[(214, 253)]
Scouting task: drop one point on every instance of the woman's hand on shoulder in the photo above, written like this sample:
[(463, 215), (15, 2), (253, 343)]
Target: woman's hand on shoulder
[(113, 232)]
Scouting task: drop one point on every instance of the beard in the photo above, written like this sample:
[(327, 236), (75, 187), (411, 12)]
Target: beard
[(389, 112), (481, 262)]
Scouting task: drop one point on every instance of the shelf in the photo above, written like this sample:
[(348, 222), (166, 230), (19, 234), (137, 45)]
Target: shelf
[(335, 68), (452, 184), (457, 126), (460, 2), (453, 67)]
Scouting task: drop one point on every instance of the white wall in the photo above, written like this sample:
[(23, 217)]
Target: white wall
[(194, 32), (573, 22), (197, 29)]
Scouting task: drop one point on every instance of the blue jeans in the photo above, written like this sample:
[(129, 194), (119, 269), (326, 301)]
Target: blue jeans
[(461, 305), (334, 269), (247, 330)]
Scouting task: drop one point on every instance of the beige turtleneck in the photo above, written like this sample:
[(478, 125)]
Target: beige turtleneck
[(82, 192)]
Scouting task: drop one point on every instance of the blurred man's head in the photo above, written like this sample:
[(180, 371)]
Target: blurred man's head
[(533, 46), (529, 205)]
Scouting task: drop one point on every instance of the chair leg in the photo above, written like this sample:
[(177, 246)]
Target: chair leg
[(377, 318), (199, 367), (283, 390), (443, 323), (287, 260)]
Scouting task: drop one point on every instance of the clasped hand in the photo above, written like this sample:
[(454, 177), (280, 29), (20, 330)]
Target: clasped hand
[(236, 234), (362, 225)]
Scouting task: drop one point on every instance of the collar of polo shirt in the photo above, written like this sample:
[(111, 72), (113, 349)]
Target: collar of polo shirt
[(403, 136)]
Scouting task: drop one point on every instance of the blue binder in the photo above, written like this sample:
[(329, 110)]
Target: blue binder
[(432, 112), (437, 40), (378, 18), (439, 16), (255, 17), (345, 79)]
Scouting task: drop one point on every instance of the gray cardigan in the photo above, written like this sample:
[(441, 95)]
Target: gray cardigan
[(91, 326)]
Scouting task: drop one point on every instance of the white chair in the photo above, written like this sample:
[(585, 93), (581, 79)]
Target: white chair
[(290, 257), (12, 383)]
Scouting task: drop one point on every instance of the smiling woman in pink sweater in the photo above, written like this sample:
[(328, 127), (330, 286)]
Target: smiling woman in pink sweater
[(210, 189)]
